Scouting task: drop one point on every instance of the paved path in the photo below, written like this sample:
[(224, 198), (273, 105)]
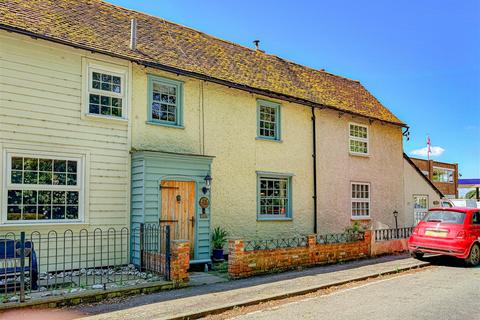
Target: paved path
[(130, 302), (224, 298), (443, 292)]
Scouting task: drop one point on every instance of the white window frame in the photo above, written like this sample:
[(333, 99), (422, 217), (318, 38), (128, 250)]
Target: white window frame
[(352, 138), (111, 69), (419, 213), (446, 170), (364, 200), (80, 187)]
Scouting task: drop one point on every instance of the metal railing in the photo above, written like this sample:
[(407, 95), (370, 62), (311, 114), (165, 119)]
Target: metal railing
[(155, 248), (393, 234), (38, 264), (250, 245), (345, 237)]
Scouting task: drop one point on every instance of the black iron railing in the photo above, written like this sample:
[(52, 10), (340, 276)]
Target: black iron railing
[(38, 264), (392, 234), (251, 245), (155, 248), (344, 237)]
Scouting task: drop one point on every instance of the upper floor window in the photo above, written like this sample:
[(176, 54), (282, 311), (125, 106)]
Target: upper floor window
[(360, 200), (443, 175), (165, 101), (274, 196), (106, 93), (43, 188), (358, 139), (268, 115)]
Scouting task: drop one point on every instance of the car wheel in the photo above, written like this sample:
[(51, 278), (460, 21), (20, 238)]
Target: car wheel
[(474, 256), (417, 255)]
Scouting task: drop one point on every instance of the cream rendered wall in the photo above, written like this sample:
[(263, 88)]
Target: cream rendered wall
[(41, 111), (415, 184), (222, 122), (337, 168)]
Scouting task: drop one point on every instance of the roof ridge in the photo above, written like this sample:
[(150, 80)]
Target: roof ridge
[(221, 60), (230, 42)]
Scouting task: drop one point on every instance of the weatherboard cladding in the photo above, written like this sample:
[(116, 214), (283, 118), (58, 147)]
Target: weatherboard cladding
[(148, 170), (103, 27)]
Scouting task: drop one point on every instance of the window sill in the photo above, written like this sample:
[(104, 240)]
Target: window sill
[(362, 155), (161, 124), (33, 223), (101, 118), (361, 218), (274, 219), (268, 139)]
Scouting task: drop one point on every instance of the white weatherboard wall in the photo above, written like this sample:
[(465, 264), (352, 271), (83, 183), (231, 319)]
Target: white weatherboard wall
[(41, 112)]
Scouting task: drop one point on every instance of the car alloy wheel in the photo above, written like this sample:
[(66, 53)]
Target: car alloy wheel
[(474, 256)]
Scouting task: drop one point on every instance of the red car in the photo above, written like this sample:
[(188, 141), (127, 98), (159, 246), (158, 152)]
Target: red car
[(449, 231)]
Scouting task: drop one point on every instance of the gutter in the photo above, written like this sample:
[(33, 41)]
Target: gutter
[(196, 75), (314, 156)]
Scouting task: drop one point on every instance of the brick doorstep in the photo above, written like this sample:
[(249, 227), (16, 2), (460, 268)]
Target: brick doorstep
[(198, 306)]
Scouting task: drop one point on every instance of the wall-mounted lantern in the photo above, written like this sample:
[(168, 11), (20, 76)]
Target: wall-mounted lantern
[(208, 182)]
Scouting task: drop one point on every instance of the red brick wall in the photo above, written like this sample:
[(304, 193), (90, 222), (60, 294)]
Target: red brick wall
[(445, 187), (179, 261), (242, 264)]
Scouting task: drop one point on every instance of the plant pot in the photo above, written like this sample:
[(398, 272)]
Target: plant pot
[(217, 254)]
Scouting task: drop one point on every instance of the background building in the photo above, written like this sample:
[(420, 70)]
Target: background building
[(443, 175)]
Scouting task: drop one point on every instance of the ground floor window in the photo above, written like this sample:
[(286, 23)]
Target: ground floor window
[(43, 188), (360, 200), (420, 207), (274, 196)]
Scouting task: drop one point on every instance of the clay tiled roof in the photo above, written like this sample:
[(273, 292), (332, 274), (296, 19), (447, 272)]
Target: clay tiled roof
[(103, 27)]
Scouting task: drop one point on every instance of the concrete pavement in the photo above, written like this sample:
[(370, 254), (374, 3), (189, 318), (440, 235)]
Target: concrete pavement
[(442, 292), (198, 305)]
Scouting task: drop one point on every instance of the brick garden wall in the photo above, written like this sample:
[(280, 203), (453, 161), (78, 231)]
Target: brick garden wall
[(180, 261), (242, 264)]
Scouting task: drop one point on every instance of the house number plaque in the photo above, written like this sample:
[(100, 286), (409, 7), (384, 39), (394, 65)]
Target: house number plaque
[(204, 203)]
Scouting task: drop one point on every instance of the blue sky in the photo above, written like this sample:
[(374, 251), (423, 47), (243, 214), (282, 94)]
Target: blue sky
[(421, 59)]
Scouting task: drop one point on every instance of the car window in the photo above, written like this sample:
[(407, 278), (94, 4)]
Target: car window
[(445, 216), (476, 218)]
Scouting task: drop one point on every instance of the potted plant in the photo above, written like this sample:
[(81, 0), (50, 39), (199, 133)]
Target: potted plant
[(219, 239)]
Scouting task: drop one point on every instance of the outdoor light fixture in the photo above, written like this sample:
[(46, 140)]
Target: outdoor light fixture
[(395, 214), (208, 181)]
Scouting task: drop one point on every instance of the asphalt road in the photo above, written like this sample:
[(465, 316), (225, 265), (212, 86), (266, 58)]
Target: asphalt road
[(446, 291)]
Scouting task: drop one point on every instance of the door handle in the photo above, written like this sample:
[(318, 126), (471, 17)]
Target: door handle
[(192, 219)]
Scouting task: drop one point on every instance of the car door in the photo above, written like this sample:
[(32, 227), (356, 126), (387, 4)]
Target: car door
[(476, 224)]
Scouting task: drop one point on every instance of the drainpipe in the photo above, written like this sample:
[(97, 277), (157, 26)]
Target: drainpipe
[(314, 156)]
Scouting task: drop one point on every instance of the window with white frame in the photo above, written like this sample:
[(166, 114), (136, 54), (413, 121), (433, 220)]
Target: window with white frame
[(358, 138), (106, 93), (443, 175), (360, 200), (43, 188), (274, 197)]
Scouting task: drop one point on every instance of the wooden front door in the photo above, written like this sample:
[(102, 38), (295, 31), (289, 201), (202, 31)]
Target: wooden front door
[(178, 210)]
